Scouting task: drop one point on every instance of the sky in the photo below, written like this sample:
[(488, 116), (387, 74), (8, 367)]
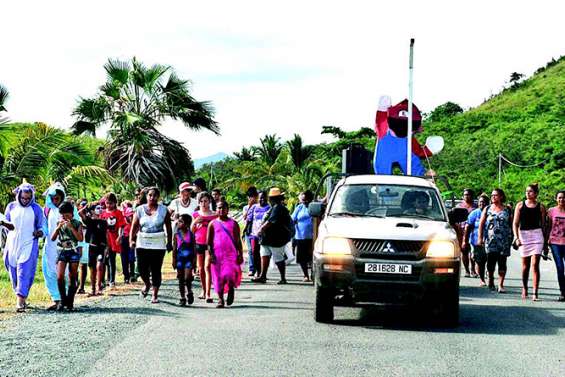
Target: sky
[(275, 67)]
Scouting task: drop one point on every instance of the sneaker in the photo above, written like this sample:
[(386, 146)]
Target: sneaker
[(190, 297), (182, 302), (259, 280), (282, 282)]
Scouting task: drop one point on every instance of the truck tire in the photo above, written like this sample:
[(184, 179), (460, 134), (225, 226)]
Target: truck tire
[(324, 306)]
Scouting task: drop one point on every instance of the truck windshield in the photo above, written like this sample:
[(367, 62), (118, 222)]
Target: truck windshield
[(387, 201)]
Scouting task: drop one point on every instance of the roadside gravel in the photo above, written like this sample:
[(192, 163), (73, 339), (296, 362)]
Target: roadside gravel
[(41, 343)]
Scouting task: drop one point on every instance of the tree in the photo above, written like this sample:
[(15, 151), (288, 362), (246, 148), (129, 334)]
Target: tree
[(269, 149), (446, 110), (515, 77), (43, 154), (133, 102), (246, 154), (298, 152), (335, 131)]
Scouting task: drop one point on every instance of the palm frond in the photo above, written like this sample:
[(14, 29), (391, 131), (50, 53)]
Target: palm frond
[(3, 97), (117, 70)]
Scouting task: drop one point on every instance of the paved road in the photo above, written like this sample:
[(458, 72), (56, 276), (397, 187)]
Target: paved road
[(270, 332)]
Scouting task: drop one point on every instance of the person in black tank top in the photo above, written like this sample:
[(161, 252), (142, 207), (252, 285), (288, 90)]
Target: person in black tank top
[(529, 222), (530, 218)]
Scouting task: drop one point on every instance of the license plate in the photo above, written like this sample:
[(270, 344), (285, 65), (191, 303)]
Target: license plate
[(388, 268)]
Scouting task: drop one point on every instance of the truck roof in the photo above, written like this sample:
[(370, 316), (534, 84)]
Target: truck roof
[(388, 179)]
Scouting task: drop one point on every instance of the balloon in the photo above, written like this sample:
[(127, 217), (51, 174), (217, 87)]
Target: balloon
[(435, 144)]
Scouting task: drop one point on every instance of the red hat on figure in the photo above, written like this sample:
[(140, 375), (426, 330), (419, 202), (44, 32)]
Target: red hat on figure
[(400, 111)]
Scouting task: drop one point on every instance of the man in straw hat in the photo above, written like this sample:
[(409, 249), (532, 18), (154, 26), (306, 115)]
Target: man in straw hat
[(274, 234)]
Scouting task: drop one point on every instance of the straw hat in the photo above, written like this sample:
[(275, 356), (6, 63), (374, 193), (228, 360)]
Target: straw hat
[(274, 192)]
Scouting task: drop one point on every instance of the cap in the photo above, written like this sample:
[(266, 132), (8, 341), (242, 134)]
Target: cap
[(185, 186), (275, 191), (400, 111)]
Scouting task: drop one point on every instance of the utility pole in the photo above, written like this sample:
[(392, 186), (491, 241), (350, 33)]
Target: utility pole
[(500, 170), (410, 89)]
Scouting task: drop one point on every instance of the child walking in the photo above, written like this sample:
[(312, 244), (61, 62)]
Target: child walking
[(68, 234), (183, 258)]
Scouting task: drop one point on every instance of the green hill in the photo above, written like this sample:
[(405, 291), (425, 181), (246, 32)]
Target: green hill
[(525, 123)]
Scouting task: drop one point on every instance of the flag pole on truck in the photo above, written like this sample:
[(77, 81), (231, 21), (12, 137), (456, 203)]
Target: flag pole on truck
[(410, 88)]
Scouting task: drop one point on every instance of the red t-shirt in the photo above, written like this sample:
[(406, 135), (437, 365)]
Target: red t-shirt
[(114, 220)]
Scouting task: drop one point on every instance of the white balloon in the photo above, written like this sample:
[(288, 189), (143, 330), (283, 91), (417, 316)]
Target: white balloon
[(435, 144)]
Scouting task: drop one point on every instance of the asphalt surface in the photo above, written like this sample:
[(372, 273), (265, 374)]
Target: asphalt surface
[(270, 331)]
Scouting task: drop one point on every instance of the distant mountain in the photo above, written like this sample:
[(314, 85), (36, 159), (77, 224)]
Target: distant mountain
[(199, 162)]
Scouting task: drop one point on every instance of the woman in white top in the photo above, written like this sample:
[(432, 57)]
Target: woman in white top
[(184, 204), (151, 235)]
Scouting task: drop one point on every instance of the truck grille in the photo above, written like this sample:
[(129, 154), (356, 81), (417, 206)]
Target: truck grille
[(389, 249)]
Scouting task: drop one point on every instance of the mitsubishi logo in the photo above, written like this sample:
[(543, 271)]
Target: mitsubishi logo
[(388, 248)]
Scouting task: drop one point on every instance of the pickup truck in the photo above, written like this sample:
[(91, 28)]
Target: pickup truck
[(385, 239)]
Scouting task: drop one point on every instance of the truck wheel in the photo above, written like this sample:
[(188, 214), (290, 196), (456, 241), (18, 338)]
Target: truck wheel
[(324, 310)]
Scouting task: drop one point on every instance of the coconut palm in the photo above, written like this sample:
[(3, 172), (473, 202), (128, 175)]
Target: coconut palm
[(269, 149), (133, 102), (299, 152), (246, 154)]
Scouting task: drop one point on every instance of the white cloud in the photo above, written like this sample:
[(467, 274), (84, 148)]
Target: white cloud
[(275, 67)]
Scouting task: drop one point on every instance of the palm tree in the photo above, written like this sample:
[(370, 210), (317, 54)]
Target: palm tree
[(133, 102), (246, 154), (299, 152), (43, 154), (269, 149)]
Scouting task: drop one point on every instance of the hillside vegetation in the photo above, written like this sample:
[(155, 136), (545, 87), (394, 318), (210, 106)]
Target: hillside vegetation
[(525, 123)]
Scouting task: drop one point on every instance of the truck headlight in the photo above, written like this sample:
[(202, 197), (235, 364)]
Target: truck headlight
[(336, 246), (441, 249)]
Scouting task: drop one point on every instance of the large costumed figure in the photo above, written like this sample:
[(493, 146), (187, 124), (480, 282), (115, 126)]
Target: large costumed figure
[(24, 220), (391, 127), (54, 196)]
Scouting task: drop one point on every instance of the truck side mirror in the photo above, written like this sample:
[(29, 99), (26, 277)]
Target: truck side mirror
[(457, 215), (316, 209)]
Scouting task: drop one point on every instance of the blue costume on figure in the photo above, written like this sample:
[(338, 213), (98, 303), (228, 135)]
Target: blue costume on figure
[(391, 127)]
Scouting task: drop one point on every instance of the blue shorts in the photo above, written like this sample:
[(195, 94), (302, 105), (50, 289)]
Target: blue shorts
[(68, 256), (185, 259)]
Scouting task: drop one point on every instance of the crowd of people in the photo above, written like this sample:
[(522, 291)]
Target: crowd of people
[(82, 238), (493, 228)]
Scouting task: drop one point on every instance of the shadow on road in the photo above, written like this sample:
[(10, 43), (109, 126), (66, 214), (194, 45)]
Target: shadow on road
[(138, 310), (474, 319)]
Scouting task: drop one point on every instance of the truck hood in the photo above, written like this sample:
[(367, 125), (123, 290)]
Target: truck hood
[(391, 228)]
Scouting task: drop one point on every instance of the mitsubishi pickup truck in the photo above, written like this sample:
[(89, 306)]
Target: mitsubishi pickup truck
[(385, 239)]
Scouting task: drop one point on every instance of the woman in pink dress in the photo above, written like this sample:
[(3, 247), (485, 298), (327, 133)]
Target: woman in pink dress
[(226, 254)]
